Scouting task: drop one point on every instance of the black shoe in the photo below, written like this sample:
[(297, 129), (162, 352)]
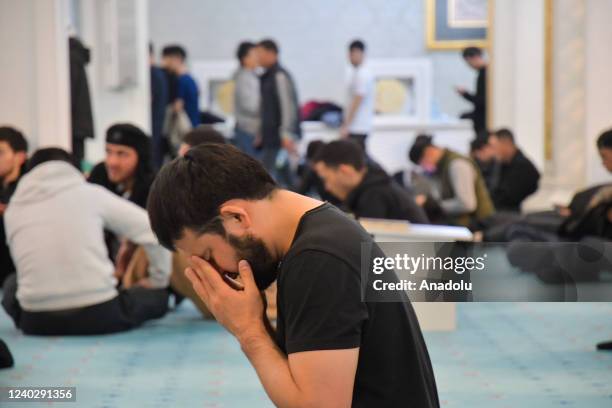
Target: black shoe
[(6, 358), (606, 345)]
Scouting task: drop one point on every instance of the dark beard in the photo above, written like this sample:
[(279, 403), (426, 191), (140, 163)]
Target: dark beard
[(262, 262)]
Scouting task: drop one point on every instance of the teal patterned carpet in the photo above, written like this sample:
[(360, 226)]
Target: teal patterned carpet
[(503, 355)]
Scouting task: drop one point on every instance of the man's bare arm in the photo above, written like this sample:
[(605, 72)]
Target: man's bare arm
[(322, 378)]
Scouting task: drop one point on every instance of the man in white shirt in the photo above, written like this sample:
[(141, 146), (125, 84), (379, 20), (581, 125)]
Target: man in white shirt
[(65, 282), (359, 112)]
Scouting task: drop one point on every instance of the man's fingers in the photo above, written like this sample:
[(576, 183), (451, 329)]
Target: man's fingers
[(246, 273), (207, 273), (196, 282)]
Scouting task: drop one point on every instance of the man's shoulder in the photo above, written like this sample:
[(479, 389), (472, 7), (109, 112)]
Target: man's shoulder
[(315, 266), (187, 79), (98, 174), (525, 162), (319, 240)]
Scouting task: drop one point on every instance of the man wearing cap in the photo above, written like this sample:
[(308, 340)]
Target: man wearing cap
[(127, 172), (127, 169), (460, 188)]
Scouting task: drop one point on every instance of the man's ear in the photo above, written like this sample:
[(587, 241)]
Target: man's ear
[(22, 157), (345, 170), (236, 219)]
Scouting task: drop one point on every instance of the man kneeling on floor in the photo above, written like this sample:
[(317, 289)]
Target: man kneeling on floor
[(330, 349), (65, 281)]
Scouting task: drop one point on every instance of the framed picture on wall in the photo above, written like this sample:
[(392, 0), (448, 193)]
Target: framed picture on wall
[(456, 24)]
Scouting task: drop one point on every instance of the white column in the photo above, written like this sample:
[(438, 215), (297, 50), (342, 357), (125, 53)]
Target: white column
[(569, 154), (34, 72), (518, 73)]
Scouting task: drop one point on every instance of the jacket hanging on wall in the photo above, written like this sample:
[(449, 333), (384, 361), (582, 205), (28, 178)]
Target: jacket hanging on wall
[(82, 117)]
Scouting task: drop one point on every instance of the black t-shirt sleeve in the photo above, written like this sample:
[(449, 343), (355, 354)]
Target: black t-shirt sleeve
[(321, 301)]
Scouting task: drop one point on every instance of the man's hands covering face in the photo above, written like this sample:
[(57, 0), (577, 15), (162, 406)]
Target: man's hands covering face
[(239, 311)]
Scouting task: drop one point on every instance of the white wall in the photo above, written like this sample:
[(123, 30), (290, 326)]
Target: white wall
[(34, 72), (518, 73), (598, 83), (313, 36), (110, 106)]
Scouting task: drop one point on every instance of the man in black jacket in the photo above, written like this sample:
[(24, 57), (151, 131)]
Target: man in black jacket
[(474, 58), (280, 119), (518, 177), (126, 171), (366, 190)]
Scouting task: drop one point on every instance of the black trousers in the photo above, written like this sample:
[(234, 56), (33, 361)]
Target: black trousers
[(128, 310)]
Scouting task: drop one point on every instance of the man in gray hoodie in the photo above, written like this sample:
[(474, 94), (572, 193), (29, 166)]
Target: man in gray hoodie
[(65, 282)]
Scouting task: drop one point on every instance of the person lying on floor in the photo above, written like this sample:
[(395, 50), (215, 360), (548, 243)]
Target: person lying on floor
[(365, 189), (65, 283), (242, 232)]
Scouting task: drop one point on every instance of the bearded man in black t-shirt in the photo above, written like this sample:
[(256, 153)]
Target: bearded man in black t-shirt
[(330, 348)]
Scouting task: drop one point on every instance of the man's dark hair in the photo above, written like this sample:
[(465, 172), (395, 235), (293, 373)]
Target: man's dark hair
[(340, 152), (203, 134), (243, 50), (504, 134), (14, 138), (151, 48), (188, 191), (174, 51), (471, 52), (268, 44), (415, 154), (478, 143), (48, 154), (604, 141), (357, 45), (313, 149)]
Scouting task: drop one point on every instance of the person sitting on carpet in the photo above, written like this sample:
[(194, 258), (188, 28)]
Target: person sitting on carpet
[(366, 190), (13, 156), (589, 230), (518, 176), (127, 168), (127, 172), (65, 283), (585, 215), (242, 232), (459, 187), (310, 183)]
